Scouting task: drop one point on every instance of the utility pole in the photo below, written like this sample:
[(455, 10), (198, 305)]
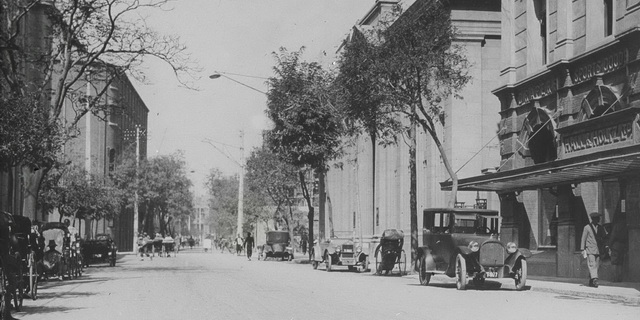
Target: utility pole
[(241, 186), (135, 199)]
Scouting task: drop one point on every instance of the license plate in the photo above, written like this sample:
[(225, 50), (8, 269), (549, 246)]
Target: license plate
[(348, 261), (491, 274)]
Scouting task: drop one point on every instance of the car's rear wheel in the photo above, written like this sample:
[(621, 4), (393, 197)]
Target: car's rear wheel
[(520, 275), (328, 263), (423, 275), (461, 273)]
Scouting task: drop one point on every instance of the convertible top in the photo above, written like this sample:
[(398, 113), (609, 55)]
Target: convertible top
[(55, 225), (393, 234)]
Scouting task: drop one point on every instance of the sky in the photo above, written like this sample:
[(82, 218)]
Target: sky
[(234, 37)]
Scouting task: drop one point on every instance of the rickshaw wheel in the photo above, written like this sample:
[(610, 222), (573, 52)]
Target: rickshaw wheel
[(3, 291), (378, 261), (461, 273), (402, 264), (328, 263), (521, 275), (18, 295), (33, 277), (424, 277)]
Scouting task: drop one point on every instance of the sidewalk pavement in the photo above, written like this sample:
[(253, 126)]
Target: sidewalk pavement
[(624, 292)]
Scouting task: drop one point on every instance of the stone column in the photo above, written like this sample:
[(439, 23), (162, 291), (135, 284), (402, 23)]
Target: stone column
[(632, 207), (566, 248), (509, 227)]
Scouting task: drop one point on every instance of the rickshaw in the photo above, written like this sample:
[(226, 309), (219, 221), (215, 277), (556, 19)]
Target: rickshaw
[(24, 250), (11, 280), (57, 254), (168, 246), (389, 252)]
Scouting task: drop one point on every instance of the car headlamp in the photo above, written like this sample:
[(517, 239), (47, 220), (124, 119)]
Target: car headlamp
[(474, 246), (338, 249), (512, 247), (359, 249)]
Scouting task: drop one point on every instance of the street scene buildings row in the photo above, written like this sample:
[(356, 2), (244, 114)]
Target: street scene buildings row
[(547, 132)]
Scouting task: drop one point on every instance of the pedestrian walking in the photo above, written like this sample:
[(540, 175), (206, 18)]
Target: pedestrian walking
[(618, 244), (591, 244), (239, 242), (249, 243)]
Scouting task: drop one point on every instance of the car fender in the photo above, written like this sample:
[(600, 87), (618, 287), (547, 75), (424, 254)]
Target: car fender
[(464, 250), (512, 259), (361, 257), (424, 253)]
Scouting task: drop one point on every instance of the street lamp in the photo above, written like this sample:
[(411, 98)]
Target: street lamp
[(214, 76)]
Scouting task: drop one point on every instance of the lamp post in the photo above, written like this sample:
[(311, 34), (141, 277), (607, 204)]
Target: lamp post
[(241, 164)]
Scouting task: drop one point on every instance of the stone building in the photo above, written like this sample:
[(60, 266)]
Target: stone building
[(569, 134), (103, 139), (469, 136)]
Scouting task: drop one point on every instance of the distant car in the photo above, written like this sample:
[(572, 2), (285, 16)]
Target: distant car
[(339, 251), (278, 246), (100, 249), (463, 243)]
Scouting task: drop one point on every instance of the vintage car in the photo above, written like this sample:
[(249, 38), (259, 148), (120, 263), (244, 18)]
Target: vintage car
[(278, 246), (100, 249), (339, 251), (464, 243)]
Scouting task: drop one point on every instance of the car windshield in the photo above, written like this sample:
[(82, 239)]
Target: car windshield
[(444, 222)]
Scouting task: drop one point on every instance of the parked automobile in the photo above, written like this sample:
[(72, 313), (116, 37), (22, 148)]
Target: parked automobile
[(339, 251), (464, 243), (99, 250), (278, 246)]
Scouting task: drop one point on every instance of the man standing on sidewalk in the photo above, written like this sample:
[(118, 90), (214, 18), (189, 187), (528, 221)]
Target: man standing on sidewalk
[(592, 236), (248, 243)]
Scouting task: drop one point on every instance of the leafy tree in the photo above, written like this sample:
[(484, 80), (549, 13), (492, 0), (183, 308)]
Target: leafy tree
[(223, 202), (79, 195), (275, 181), (412, 66), (307, 127), (163, 191), (83, 40)]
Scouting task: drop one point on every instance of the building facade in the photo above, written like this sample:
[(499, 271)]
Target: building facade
[(104, 139), (357, 203), (569, 129)]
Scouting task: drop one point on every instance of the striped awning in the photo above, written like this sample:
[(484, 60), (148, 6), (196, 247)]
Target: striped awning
[(591, 167)]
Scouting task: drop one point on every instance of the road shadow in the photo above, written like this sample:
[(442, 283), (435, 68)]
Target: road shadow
[(489, 285), (27, 309), (70, 294)]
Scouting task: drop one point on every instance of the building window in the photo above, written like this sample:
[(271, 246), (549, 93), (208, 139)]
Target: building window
[(608, 17), (541, 14)]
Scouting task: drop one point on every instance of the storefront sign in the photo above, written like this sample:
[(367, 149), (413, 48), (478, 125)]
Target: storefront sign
[(536, 91), (604, 65), (598, 138)]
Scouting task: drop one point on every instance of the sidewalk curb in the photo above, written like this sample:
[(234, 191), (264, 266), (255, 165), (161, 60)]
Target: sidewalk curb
[(631, 300)]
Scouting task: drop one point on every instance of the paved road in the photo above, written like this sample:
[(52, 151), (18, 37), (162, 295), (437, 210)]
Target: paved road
[(197, 285)]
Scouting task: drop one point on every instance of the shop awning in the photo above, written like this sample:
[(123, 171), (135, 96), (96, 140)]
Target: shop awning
[(591, 167)]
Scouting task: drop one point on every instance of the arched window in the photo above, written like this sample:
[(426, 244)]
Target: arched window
[(600, 100), (538, 136)]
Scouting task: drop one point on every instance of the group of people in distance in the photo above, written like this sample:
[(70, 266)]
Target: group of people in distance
[(240, 244), (148, 246)]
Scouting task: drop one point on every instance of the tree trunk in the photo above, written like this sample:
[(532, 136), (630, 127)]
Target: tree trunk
[(310, 215), (32, 181), (413, 201), (322, 195), (373, 183)]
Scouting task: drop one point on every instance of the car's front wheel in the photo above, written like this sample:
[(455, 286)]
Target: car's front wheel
[(328, 263), (520, 275), (461, 273), (314, 264), (423, 275)]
